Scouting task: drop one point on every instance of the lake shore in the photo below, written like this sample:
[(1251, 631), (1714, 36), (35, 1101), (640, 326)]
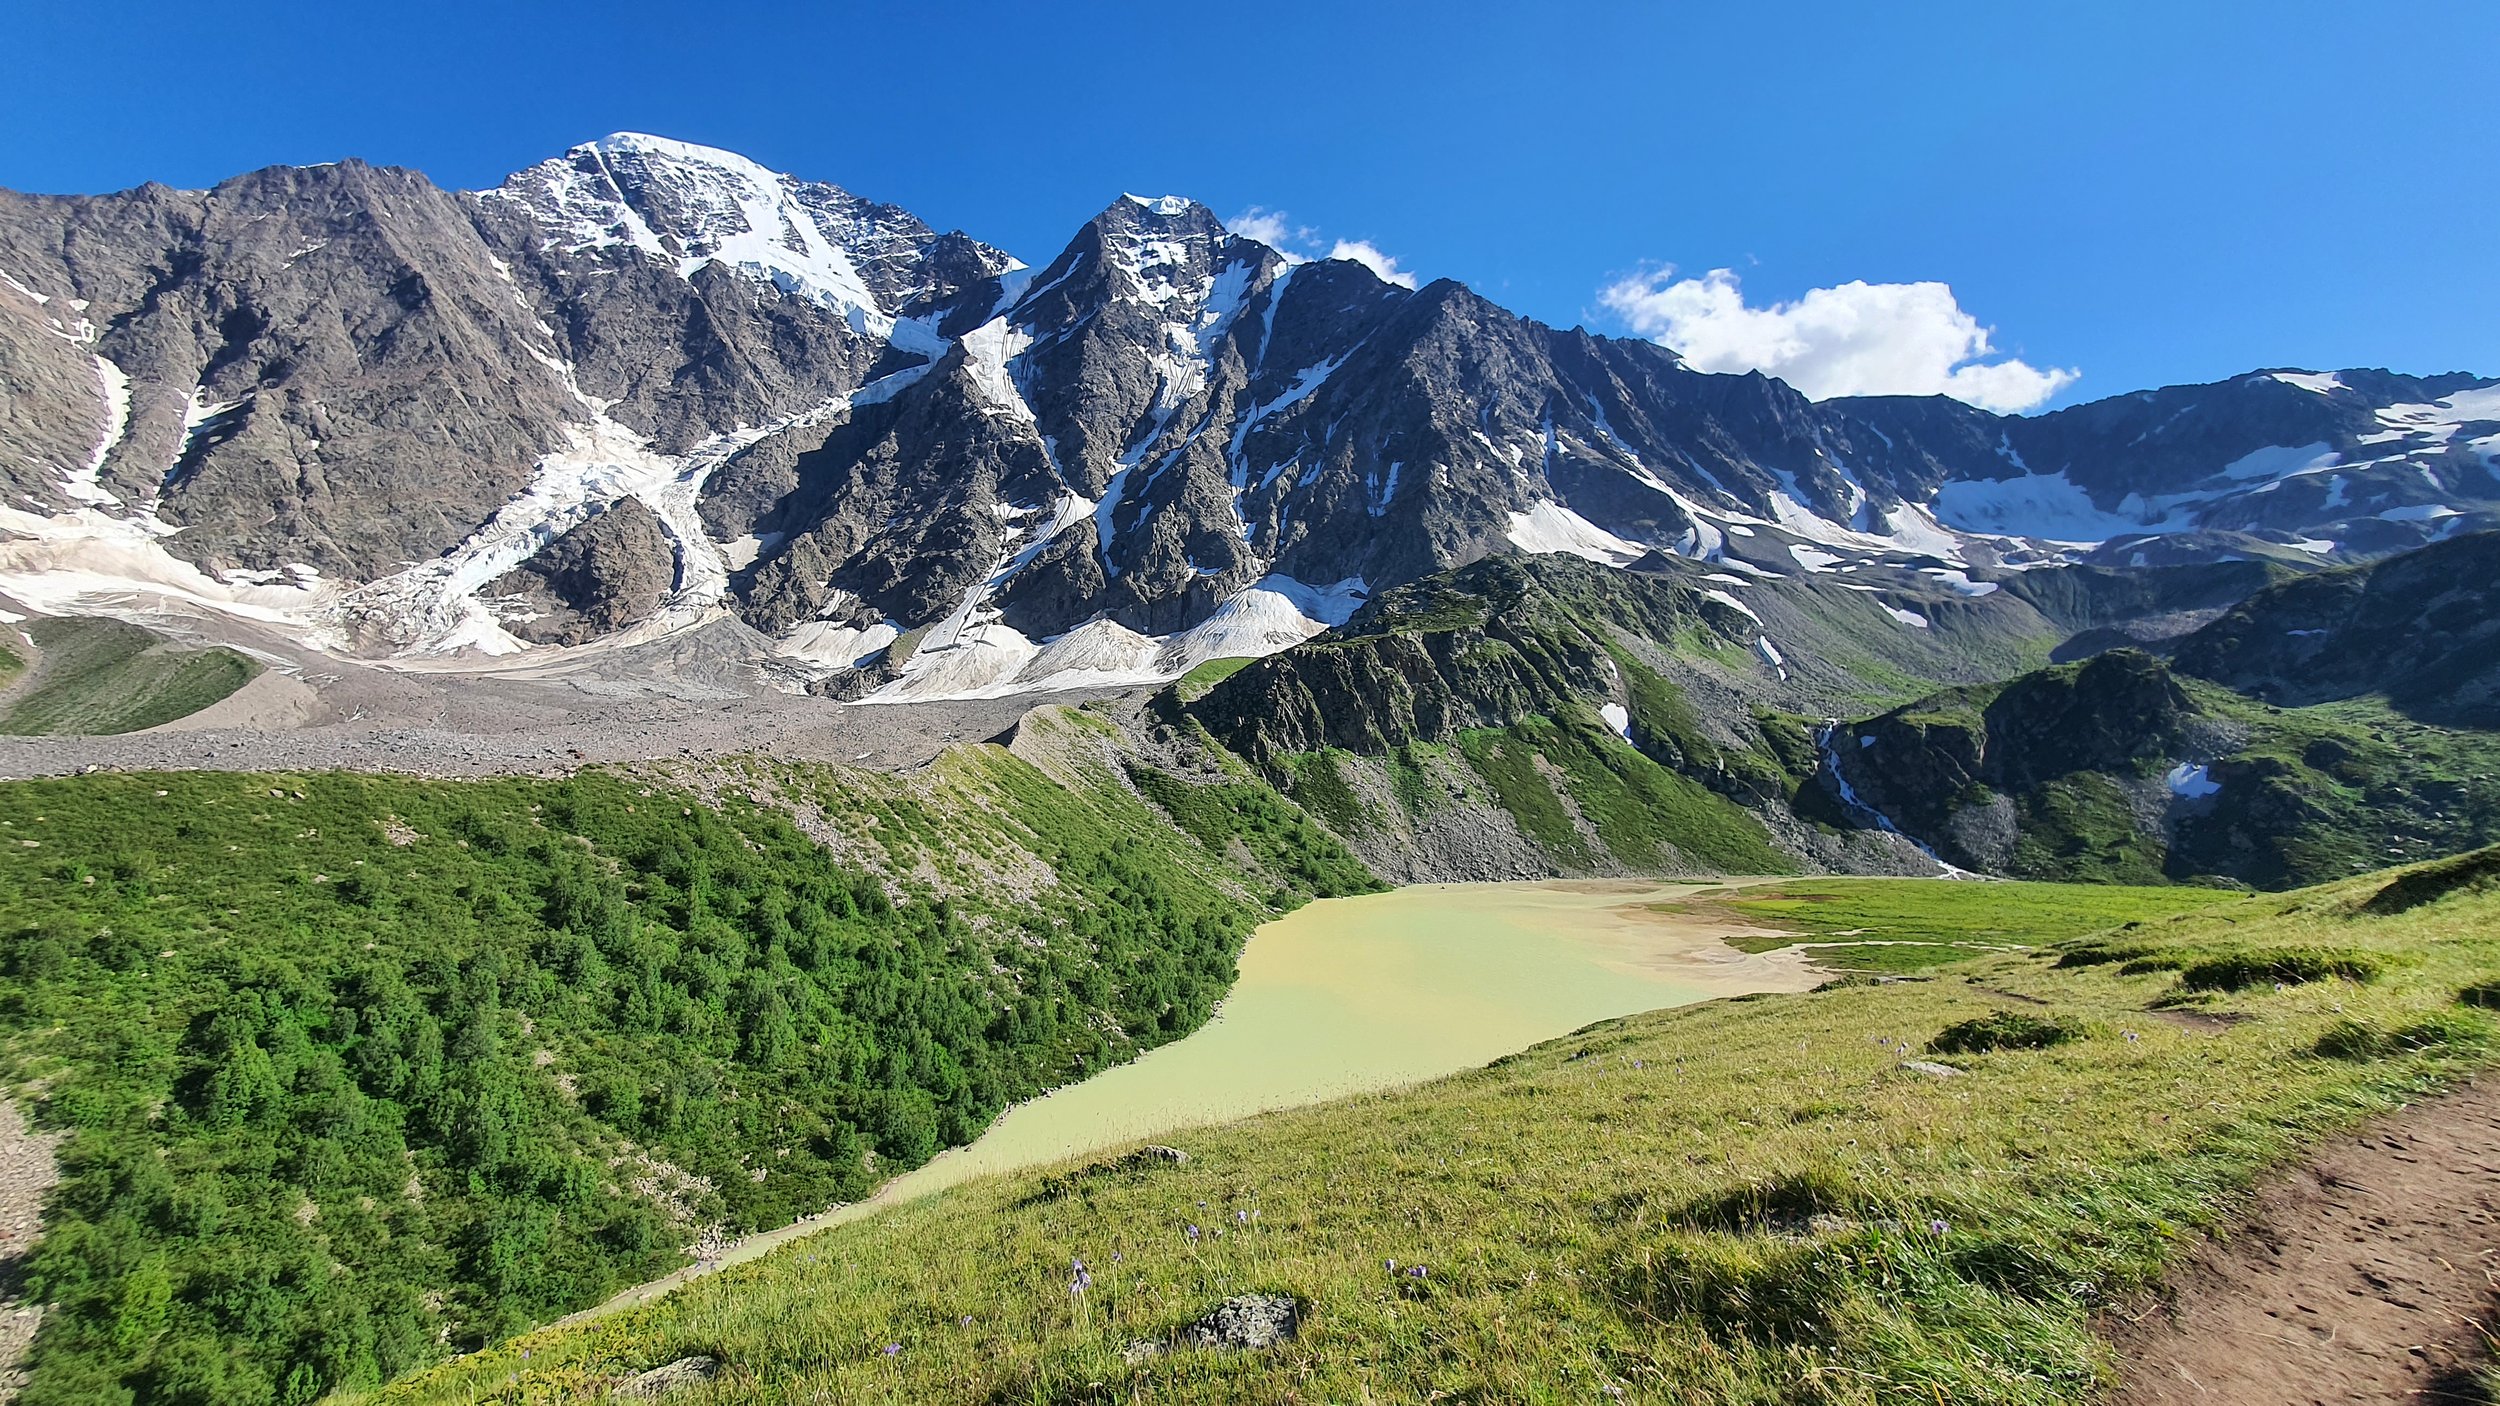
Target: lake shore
[(1356, 995)]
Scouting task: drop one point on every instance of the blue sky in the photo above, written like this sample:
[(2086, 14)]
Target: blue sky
[(2141, 193)]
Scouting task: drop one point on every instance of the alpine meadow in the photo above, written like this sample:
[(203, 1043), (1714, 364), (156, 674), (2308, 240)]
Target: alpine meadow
[(1722, 730)]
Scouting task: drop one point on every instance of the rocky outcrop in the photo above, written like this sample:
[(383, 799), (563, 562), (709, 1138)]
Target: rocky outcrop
[(667, 1379), (1963, 770), (1242, 1323), (1489, 645), (599, 577), (2421, 629)]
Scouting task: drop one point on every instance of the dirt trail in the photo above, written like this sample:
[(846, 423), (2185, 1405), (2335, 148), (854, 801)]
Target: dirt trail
[(2369, 1275), (27, 1171)]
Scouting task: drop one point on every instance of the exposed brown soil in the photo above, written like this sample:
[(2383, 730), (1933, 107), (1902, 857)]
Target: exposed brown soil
[(2369, 1275), (27, 1171)]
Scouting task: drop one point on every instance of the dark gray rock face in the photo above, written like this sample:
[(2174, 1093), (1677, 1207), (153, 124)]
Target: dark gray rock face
[(696, 291), (1214, 413), (602, 576), (346, 367), (2421, 629), (324, 366)]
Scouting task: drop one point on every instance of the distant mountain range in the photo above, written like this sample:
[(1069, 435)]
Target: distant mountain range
[(647, 387)]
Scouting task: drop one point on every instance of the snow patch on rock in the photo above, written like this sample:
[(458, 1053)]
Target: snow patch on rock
[(2192, 781), (1552, 528)]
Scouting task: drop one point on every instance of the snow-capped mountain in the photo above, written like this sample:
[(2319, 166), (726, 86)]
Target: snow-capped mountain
[(646, 384)]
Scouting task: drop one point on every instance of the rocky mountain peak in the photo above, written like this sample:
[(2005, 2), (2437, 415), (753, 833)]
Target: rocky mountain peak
[(1173, 442), (690, 207)]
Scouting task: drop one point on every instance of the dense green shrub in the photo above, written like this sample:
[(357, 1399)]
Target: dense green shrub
[(2290, 966), (2447, 1030), (2004, 1030), (358, 1067)]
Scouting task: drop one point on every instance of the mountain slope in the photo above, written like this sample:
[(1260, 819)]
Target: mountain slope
[(2421, 630), (342, 402), (2118, 769), (359, 1070), (1527, 714)]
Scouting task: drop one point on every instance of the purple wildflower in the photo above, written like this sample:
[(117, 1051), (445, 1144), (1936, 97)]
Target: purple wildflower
[(964, 1322), (1242, 1216), (1193, 1235), (1938, 1227), (892, 1349), (1393, 1266), (1418, 1272)]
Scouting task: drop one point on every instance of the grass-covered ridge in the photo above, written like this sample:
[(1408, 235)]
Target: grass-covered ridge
[(102, 676), (1748, 1201), (2065, 773), (358, 1067)]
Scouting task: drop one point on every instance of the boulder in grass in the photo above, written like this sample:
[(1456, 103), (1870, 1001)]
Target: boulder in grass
[(1243, 1323), (671, 1377)]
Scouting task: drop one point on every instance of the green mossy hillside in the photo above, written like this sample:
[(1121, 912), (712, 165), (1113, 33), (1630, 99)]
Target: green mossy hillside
[(2419, 632), (104, 676), (1593, 803), (2066, 774)]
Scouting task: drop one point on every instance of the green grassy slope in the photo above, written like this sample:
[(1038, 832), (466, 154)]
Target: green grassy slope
[(1194, 684), (103, 676), (1507, 663), (2061, 774), (1747, 1201), (1911, 926), (357, 1067)]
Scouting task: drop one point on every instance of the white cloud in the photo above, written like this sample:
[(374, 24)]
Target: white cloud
[(1364, 252), (1857, 339), (1273, 229), (1299, 243)]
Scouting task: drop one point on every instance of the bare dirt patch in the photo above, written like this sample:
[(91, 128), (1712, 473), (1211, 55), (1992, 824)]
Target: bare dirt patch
[(27, 1171), (2370, 1274)]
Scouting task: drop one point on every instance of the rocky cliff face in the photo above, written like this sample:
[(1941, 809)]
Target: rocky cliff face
[(2421, 629), (2119, 769), (591, 581), (344, 400)]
